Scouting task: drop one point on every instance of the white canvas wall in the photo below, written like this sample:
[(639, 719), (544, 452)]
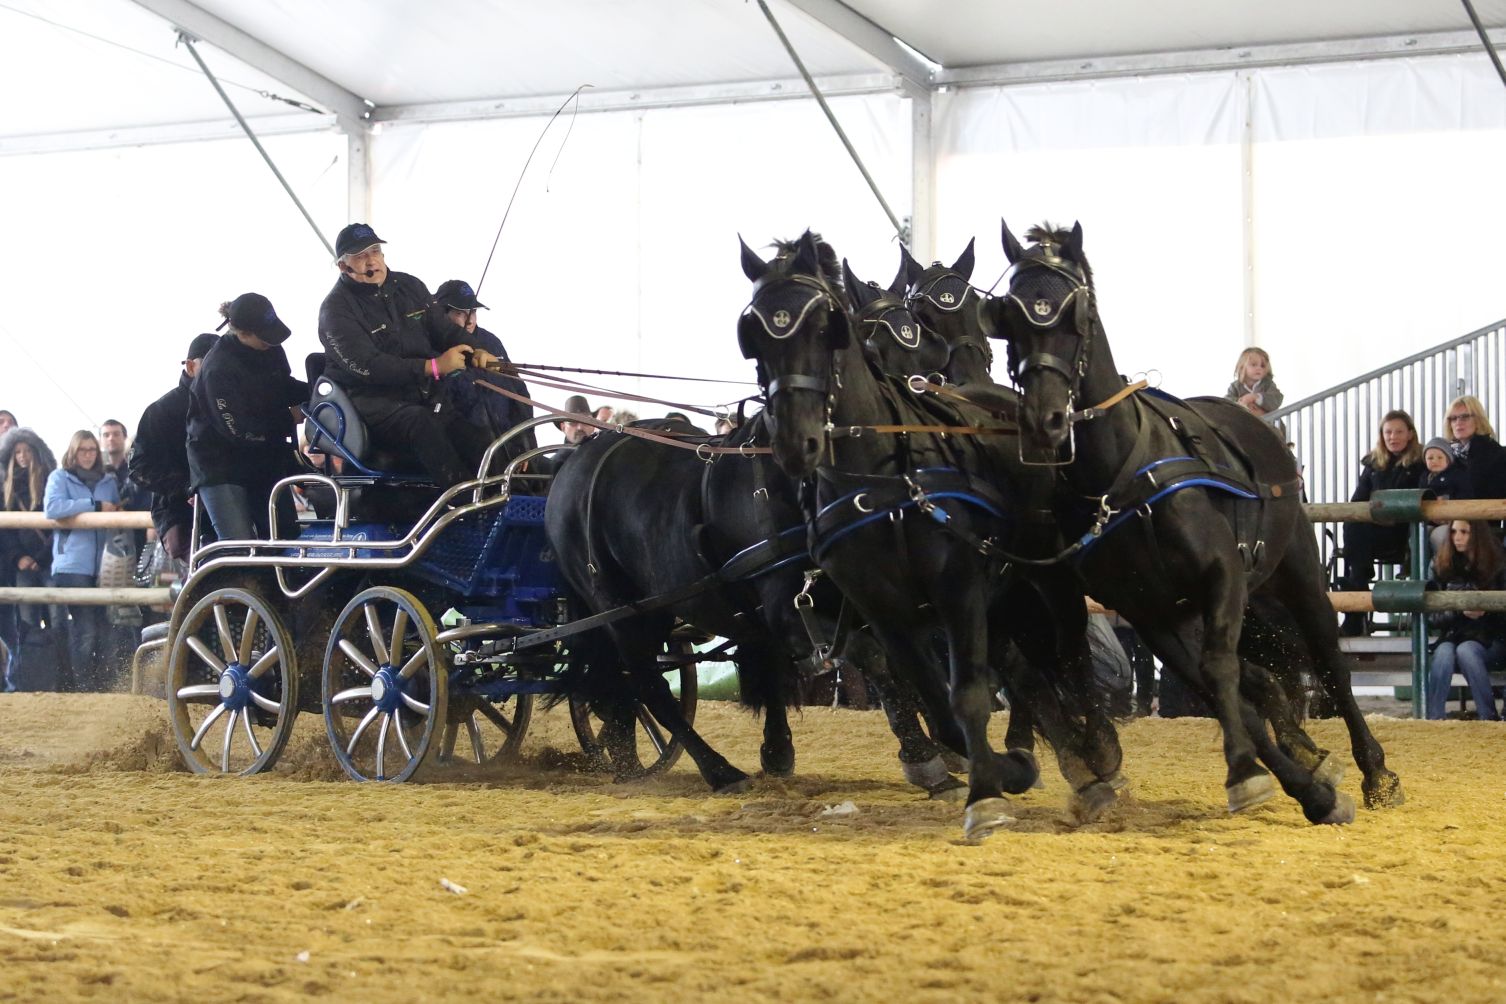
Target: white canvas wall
[(114, 259), (621, 248)]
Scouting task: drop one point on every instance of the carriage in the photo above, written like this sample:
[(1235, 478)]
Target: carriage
[(422, 624)]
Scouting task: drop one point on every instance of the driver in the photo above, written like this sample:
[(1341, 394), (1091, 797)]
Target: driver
[(390, 346)]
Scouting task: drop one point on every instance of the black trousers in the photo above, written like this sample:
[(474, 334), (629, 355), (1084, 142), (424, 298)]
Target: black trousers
[(444, 444), (1363, 544)]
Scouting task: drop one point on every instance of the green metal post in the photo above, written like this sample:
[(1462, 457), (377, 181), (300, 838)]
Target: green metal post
[(1419, 620)]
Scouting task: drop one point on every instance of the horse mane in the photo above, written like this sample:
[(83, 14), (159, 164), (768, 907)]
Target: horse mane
[(1050, 233), (826, 257)]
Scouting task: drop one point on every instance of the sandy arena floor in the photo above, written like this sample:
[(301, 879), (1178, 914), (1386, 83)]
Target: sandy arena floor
[(122, 878)]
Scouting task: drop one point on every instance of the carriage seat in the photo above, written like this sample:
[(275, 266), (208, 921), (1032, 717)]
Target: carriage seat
[(333, 425)]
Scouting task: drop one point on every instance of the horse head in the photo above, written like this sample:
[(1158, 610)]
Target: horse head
[(945, 301), (892, 337), (793, 328), (1048, 318)]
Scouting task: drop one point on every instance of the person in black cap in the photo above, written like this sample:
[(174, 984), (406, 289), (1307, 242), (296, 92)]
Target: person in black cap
[(158, 460), (389, 344), (243, 407), (496, 412)]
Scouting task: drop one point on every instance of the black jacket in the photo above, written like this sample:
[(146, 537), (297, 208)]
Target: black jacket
[(1452, 625), (378, 341), (1447, 483), (159, 456), (239, 428), (1484, 469), (1396, 475), (14, 544)]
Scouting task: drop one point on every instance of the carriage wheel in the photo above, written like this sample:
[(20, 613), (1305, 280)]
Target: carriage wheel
[(663, 746), (385, 683), (481, 732), (232, 684)]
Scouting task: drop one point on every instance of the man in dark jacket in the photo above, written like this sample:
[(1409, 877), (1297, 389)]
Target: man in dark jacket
[(496, 412), (242, 410), (390, 346), (158, 460)]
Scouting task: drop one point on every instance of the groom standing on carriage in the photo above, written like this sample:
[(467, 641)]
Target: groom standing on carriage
[(389, 344)]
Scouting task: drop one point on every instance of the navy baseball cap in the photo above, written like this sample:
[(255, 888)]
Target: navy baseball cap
[(200, 346), (253, 313), (457, 294), (354, 239)]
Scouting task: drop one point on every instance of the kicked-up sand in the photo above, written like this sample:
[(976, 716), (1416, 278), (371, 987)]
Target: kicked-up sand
[(123, 878)]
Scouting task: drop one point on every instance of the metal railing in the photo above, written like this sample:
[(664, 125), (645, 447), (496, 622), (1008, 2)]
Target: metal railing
[(1331, 431)]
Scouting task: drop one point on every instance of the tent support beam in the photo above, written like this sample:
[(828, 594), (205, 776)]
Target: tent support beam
[(868, 36), (198, 23), (245, 127)]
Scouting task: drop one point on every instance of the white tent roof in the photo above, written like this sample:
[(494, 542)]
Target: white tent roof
[(473, 58)]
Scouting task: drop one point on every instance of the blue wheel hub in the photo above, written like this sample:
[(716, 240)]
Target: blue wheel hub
[(235, 687), (387, 689)]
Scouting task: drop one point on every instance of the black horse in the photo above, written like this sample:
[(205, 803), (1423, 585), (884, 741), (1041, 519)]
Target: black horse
[(630, 519), (909, 528), (1185, 510)]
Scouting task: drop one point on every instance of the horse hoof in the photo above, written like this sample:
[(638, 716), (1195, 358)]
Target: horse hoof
[(985, 816), (1250, 792), (1384, 791), (1342, 812), (927, 775), (1087, 805), (1329, 771), (736, 787), (777, 761), (1117, 780), (1021, 771), (955, 762), (950, 790)]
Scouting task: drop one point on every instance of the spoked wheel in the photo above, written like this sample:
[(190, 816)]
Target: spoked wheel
[(385, 682), (232, 684), (648, 735), (480, 732)]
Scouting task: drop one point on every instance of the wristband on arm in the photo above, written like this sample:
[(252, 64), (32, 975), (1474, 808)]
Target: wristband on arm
[(434, 367)]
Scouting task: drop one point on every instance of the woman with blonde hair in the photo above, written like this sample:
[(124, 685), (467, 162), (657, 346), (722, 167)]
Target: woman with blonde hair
[(1472, 641), (1469, 432), (25, 555), (81, 484), (1396, 462)]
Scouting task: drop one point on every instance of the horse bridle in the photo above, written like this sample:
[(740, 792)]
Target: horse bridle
[(1045, 313), (781, 315), (948, 301)]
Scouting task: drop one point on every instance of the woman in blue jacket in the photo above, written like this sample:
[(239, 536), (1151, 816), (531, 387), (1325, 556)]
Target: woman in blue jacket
[(79, 485)]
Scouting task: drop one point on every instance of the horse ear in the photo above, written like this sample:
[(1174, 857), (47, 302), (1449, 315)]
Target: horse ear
[(1012, 249), (908, 266), (1073, 249), (754, 267), (860, 291), (963, 266), (807, 258)]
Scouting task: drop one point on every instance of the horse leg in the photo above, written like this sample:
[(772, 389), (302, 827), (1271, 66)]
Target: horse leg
[(989, 774), (1301, 590), (1320, 802), (762, 672), (920, 756), (929, 686), (1261, 688)]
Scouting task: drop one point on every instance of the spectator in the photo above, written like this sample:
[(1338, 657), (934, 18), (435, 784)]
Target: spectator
[(159, 456), (495, 412), (114, 444), (81, 484), (1443, 480), (1396, 462), (7, 421), (242, 410), (25, 555), (1254, 387), (1472, 641), (624, 417), (577, 432), (725, 424), (1475, 450), (390, 345)]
